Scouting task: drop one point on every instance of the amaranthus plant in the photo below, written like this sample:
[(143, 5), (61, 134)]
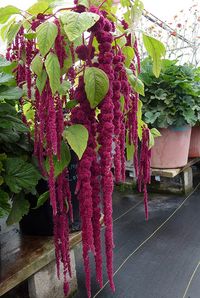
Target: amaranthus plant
[(79, 67)]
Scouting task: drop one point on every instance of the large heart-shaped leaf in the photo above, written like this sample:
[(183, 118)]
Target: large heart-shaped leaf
[(96, 85), (156, 50), (6, 12), (77, 137), (53, 70), (20, 208), (20, 175), (46, 35), (77, 23)]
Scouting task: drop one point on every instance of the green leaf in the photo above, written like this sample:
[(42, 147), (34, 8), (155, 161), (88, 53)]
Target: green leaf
[(46, 35), (7, 66), (136, 83), (84, 3), (39, 7), (4, 29), (12, 32), (129, 54), (30, 36), (64, 87), (155, 132), (129, 149), (6, 12), (76, 23), (20, 207), (5, 78), (122, 103), (53, 70), (37, 65), (96, 85), (71, 104), (77, 137), (151, 140), (156, 50), (20, 175), (4, 203), (11, 93), (3, 156), (41, 81), (139, 119), (60, 165), (42, 199)]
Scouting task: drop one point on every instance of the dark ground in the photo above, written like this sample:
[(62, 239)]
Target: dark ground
[(155, 259)]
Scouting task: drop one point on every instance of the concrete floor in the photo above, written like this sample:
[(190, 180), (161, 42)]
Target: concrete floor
[(155, 259)]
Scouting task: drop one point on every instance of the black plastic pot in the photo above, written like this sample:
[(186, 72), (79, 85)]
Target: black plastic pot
[(39, 222)]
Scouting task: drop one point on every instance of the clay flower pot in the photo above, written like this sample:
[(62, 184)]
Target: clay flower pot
[(194, 150), (172, 148)]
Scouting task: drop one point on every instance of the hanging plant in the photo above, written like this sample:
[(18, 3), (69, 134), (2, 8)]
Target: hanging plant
[(79, 67)]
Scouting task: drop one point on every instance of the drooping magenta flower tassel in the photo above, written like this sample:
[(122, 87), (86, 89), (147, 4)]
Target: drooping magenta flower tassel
[(106, 132), (144, 176), (29, 57), (83, 115), (95, 182)]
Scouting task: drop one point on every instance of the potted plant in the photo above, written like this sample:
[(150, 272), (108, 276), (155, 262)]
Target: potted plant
[(170, 105), (194, 150)]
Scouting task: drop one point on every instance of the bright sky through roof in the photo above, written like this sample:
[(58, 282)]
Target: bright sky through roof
[(162, 9)]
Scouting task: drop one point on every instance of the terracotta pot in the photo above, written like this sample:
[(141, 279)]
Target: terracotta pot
[(172, 148), (195, 142)]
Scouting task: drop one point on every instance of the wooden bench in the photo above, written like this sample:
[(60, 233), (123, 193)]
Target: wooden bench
[(33, 258), (165, 185), (185, 174)]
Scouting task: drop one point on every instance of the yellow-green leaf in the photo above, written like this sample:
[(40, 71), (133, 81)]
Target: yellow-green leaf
[(53, 70), (96, 85), (77, 23), (156, 50), (46, 35), (6, 12), (37, 65), (77, 137)]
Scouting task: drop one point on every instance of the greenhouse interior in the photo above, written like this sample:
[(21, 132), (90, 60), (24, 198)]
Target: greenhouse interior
[(99, 149)]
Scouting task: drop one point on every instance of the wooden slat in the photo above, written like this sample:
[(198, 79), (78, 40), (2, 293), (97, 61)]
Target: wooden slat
[(22, 256), (170, 173)]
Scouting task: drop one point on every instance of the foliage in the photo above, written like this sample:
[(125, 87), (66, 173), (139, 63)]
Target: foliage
[(173, 98), (17, 173)]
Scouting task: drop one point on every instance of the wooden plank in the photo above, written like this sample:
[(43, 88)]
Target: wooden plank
[(22, 256), (170, 173)]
